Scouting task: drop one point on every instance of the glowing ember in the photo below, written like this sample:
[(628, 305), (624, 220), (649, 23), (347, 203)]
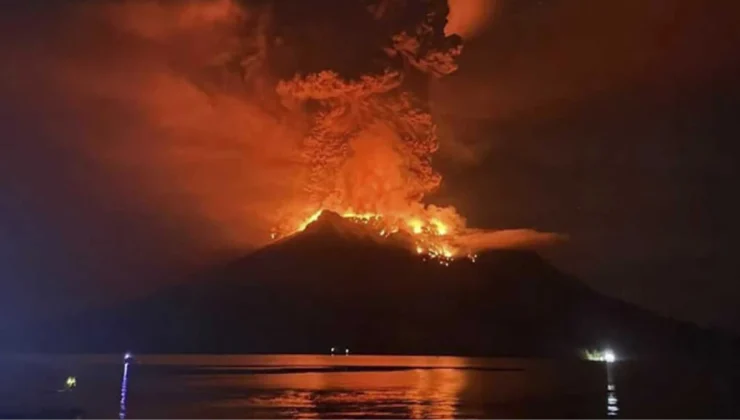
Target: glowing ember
[(415, 225), (441, 227)]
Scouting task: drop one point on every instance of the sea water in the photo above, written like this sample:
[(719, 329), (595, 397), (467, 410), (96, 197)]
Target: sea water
[(354, 386)]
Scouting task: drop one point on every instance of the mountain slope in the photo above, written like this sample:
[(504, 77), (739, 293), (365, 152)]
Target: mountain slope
[(336, 285)]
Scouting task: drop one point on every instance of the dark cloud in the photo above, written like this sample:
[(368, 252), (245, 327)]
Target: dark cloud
[(613, 122), (129, 158)]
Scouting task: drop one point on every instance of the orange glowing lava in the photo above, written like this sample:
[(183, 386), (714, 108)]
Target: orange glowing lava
[(431, 237)]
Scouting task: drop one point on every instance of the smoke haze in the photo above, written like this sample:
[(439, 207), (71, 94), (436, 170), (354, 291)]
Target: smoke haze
[(148, 135), (138, 82)]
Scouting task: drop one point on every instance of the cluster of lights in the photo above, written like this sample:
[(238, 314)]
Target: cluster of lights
[(333, 350), (69, 384), (441, 254), (606, 355)]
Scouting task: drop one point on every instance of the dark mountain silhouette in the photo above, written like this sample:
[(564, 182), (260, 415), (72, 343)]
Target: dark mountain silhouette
[(335, 284)]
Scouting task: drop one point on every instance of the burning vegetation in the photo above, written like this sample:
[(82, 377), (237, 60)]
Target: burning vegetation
[(431, 238)]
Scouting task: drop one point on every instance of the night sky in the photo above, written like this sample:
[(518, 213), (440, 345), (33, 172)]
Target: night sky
[(613, 122)]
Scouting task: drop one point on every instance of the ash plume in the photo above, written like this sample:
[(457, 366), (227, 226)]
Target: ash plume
[(230, 118)]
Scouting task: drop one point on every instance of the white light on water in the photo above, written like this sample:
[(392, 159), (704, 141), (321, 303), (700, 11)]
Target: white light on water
[(609, 356), (124, 390)]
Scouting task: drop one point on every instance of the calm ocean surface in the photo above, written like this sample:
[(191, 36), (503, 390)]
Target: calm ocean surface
[(312, 386)]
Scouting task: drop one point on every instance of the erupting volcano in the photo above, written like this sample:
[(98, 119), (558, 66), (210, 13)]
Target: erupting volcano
[(369, 147), (370, 142), (296, 138), (368, 155), (254, 117)]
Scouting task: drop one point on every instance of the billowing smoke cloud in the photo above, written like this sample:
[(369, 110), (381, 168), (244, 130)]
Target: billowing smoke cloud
[(133, 149), (161, 112), (469, 18), (203, 124), (370, 146), (510, 239)]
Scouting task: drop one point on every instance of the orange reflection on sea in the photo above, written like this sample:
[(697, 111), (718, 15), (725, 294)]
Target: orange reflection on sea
[(356, 386)]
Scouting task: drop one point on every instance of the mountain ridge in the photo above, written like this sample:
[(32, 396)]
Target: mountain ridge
[(335, 284)]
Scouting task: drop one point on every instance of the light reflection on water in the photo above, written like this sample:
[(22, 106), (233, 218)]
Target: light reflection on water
[(362, 386), (124, 390), (380, 386), (210, 386), (416, 393), (612, 407), (612, 402), (294, 386)]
